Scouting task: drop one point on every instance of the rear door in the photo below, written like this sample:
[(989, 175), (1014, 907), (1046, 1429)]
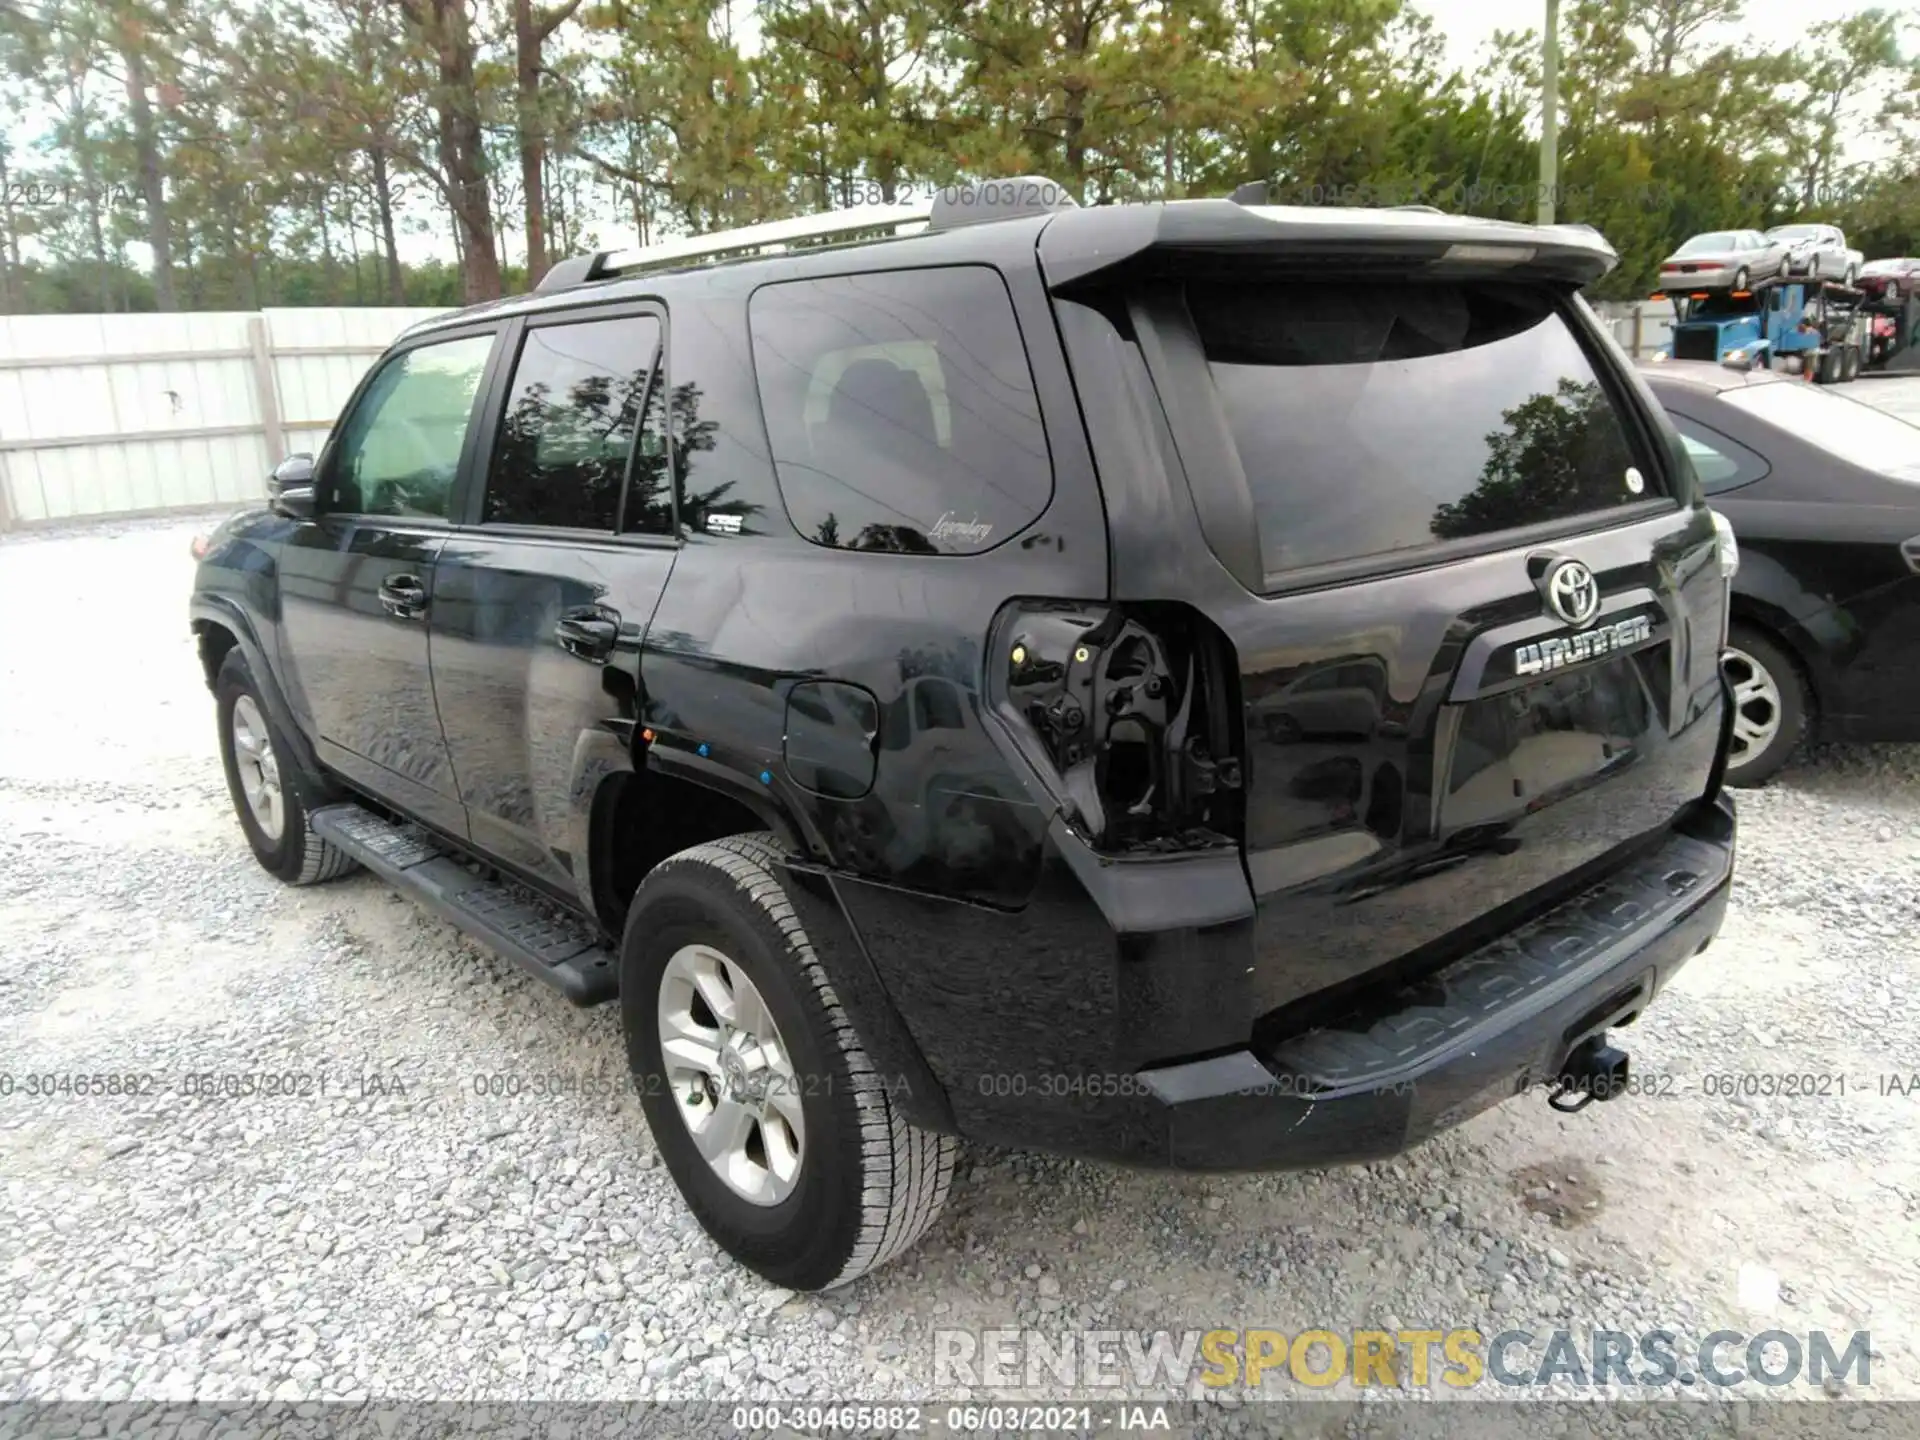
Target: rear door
[(1473, 609), (542, 600), (357, 582)]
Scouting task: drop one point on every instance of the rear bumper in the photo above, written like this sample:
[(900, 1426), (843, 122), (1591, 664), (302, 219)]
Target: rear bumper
[(1718, 277), (1067, 1026), (1484, 1029)]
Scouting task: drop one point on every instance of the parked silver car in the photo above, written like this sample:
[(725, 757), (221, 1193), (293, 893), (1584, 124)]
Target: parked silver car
[(1818, 252), (1723, 260)]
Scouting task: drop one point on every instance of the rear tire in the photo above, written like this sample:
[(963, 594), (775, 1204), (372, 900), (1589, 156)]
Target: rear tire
[(866, 1184), (267, 796), (1770, 705), (1741, 278)]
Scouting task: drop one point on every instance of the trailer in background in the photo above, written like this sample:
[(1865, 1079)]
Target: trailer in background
[(1810, 327), (1893, 338)]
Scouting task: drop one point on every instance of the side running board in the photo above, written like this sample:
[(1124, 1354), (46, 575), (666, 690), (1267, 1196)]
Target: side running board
[(560, 950)]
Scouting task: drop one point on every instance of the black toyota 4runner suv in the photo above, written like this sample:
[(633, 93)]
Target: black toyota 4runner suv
[(1193, 684)]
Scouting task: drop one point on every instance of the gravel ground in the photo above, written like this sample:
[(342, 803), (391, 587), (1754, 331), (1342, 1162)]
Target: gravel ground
[(390, 1233)]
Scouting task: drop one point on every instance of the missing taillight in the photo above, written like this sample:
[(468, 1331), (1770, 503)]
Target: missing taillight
[(1129, 709), (1127, 770)]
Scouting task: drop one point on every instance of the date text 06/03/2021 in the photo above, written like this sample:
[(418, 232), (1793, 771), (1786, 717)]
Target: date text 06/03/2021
[(959, 1419)]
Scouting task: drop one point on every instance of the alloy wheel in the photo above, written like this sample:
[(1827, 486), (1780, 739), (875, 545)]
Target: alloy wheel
[(259, 768), (1756, 707), (730, 1074)]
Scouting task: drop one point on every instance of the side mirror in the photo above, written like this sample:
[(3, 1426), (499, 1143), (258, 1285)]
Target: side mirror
[(290, 487), (296, 469), (295, 502)]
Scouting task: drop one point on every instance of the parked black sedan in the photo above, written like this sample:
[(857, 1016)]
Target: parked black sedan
[(1823, 492)]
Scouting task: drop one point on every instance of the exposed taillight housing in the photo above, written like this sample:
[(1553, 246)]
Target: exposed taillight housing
[(1127, 714)]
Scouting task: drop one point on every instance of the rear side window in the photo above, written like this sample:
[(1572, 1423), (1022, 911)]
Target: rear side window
[(1379, 418), (1721, 464), (901, 410), (568, 427)]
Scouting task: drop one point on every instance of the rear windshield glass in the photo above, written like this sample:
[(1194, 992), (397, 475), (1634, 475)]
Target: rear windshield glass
[(1705, 244), (1380, 418)]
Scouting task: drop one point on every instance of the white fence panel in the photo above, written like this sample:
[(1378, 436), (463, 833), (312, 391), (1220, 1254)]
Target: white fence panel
[(1641, 326), (126, 414)]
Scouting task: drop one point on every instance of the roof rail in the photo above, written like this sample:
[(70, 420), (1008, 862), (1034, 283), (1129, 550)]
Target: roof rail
[(950, 209), (775, 234)]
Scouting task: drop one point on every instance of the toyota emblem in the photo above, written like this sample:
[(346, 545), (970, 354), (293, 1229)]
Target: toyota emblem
[(1572, 592)]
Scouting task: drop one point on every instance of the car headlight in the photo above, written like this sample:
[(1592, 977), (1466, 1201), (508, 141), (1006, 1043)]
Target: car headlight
[(1727, 548), (1734, 357)]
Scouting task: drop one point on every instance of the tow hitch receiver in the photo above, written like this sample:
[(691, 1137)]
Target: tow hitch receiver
[(1594, 1071)]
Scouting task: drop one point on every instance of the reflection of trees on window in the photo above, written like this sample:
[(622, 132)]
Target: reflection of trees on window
[(901, 539), (1561, 454), (561, 461), (649, 508), (693, 436), (898, 539)]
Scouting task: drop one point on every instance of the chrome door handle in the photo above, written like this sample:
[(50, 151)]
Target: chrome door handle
[(403, 596)]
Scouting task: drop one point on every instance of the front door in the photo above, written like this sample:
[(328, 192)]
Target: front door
[(357, 583), (541, 603)]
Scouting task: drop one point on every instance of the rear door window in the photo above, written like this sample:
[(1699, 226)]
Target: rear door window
[(901, 410), (1380, 418), (568, 428)]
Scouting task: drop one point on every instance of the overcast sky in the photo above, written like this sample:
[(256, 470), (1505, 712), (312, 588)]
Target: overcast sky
[(1469, 24)]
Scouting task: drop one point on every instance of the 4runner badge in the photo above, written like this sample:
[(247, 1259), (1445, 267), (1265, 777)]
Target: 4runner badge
[(1571, 649)]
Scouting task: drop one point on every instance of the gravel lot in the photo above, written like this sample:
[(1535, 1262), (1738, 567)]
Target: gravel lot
[(393, 1234)]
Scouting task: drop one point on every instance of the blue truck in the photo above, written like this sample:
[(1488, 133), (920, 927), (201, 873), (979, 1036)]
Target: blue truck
[(1807, 327)]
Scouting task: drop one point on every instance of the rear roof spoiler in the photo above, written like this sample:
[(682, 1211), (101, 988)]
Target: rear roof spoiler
[(1403, 243)]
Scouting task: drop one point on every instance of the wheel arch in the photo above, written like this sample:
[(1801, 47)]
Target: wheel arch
[(1792, 638), (636, 806), (699, 804), (220, 628)]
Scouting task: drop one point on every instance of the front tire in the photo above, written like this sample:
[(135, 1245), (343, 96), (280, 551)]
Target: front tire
[(267, 796), (1769, 703), (785, 1143)]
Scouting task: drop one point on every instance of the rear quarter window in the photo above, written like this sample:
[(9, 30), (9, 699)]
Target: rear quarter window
[(1377, 419), (901, 410)]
